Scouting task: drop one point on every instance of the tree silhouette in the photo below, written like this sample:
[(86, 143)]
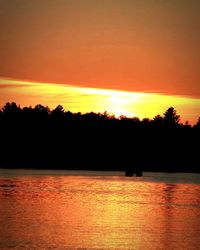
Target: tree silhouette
[(170, 117), (11, 108), (158, 119), (57, 139), (197, 125), (40, 109), (58, 113), (58, 110)]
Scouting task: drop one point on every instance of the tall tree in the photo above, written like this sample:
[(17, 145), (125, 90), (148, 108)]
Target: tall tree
[(170, 117)]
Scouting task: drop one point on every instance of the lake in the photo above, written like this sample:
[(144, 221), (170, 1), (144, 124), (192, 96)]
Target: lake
[(98, 210)]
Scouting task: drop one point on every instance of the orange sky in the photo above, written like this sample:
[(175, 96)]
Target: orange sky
[(128, 45)]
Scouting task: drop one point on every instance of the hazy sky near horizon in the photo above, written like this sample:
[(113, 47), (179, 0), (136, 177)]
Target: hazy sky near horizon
[(84, 100), (131, 45)]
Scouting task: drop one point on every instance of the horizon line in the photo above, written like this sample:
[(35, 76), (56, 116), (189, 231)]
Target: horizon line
[(98, 100)]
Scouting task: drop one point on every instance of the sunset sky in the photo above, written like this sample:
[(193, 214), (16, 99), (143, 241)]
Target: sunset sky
[(135, 57)]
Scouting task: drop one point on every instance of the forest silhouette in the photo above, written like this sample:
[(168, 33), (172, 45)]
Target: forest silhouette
[(37, 137)]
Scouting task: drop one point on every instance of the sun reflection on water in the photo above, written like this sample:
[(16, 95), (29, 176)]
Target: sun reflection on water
[(98, 212)]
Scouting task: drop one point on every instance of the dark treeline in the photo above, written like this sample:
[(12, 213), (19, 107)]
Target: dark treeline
[(42, 138)]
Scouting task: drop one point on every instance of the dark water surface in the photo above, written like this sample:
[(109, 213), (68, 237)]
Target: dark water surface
[(67, 210)]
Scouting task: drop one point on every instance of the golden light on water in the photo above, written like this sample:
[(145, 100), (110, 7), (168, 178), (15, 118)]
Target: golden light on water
[(80, 99), (98, 212)]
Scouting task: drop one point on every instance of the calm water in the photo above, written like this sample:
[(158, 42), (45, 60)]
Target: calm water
[(53, 210)]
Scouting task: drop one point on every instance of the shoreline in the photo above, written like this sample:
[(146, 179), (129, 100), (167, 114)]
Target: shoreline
[(80, 172), (150, 177), (64, 172)]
